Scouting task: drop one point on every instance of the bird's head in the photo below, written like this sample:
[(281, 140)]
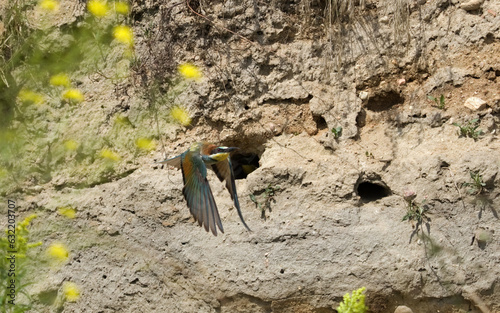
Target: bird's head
[(220, 153)]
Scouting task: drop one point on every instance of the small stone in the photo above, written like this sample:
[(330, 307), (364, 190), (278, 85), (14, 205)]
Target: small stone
[(401, 81), (472, 5), (475, 103), (363, 95), (403, 309), (483, 236), (384, 19)]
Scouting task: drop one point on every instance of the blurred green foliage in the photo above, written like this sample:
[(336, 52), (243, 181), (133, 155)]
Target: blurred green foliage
[(12, 267), (42, 65), (51, 128)]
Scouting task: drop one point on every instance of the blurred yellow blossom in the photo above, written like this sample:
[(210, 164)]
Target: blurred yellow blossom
[(145, 144), (67, 211), (98, 8), (180, 115), (28, 96), (73, 95), (121, 7), (71, 291), (71, 145), (109, 155), (190, 71), (123, 34), (49, 5), (60, 79), (58, 252)]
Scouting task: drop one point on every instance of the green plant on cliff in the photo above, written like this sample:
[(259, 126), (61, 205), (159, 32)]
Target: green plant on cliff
[(476, 184), (15, 254), (439, 103), (268, 195), (415, 212), (470, 129), (337, 132), (354, 303)]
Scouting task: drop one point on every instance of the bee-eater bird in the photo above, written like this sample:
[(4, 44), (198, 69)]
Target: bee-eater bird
[(193, 164)]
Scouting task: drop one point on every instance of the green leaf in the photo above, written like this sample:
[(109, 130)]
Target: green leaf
[(337, 131), (252, 197)]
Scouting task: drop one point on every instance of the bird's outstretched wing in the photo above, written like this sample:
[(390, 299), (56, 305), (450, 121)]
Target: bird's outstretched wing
[(224, 171), (197, 192), (175, 161)]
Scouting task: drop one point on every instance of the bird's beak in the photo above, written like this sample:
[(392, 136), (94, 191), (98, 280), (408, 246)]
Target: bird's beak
[(230, 149)]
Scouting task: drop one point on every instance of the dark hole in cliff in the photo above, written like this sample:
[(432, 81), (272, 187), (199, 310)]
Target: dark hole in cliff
[(361, 118), (320, 122), (244, 164), (371, 191), (384, 101), (490, 38)]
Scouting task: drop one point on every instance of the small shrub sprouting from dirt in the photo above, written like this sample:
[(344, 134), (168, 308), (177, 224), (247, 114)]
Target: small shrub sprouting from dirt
[(354, 303), (415, 212), (439, 103), (337, 132), (269, 193), (470, 129), (476, 184)]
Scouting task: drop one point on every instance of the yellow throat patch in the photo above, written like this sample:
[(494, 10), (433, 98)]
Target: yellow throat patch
[(220, 156)]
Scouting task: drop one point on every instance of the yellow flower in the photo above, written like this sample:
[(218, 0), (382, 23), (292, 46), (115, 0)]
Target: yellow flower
[(58, 252), (98, 8), (71, 145), (60, 79), (145, 144), (109, 155), (67, 211), (71, 291), (190, 71), (121, 7), (180, 115), (28, 96), (49, 5), (73, 95), (123, 34)]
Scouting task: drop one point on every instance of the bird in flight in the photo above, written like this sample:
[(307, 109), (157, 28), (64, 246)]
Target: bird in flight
[(193, 163)]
